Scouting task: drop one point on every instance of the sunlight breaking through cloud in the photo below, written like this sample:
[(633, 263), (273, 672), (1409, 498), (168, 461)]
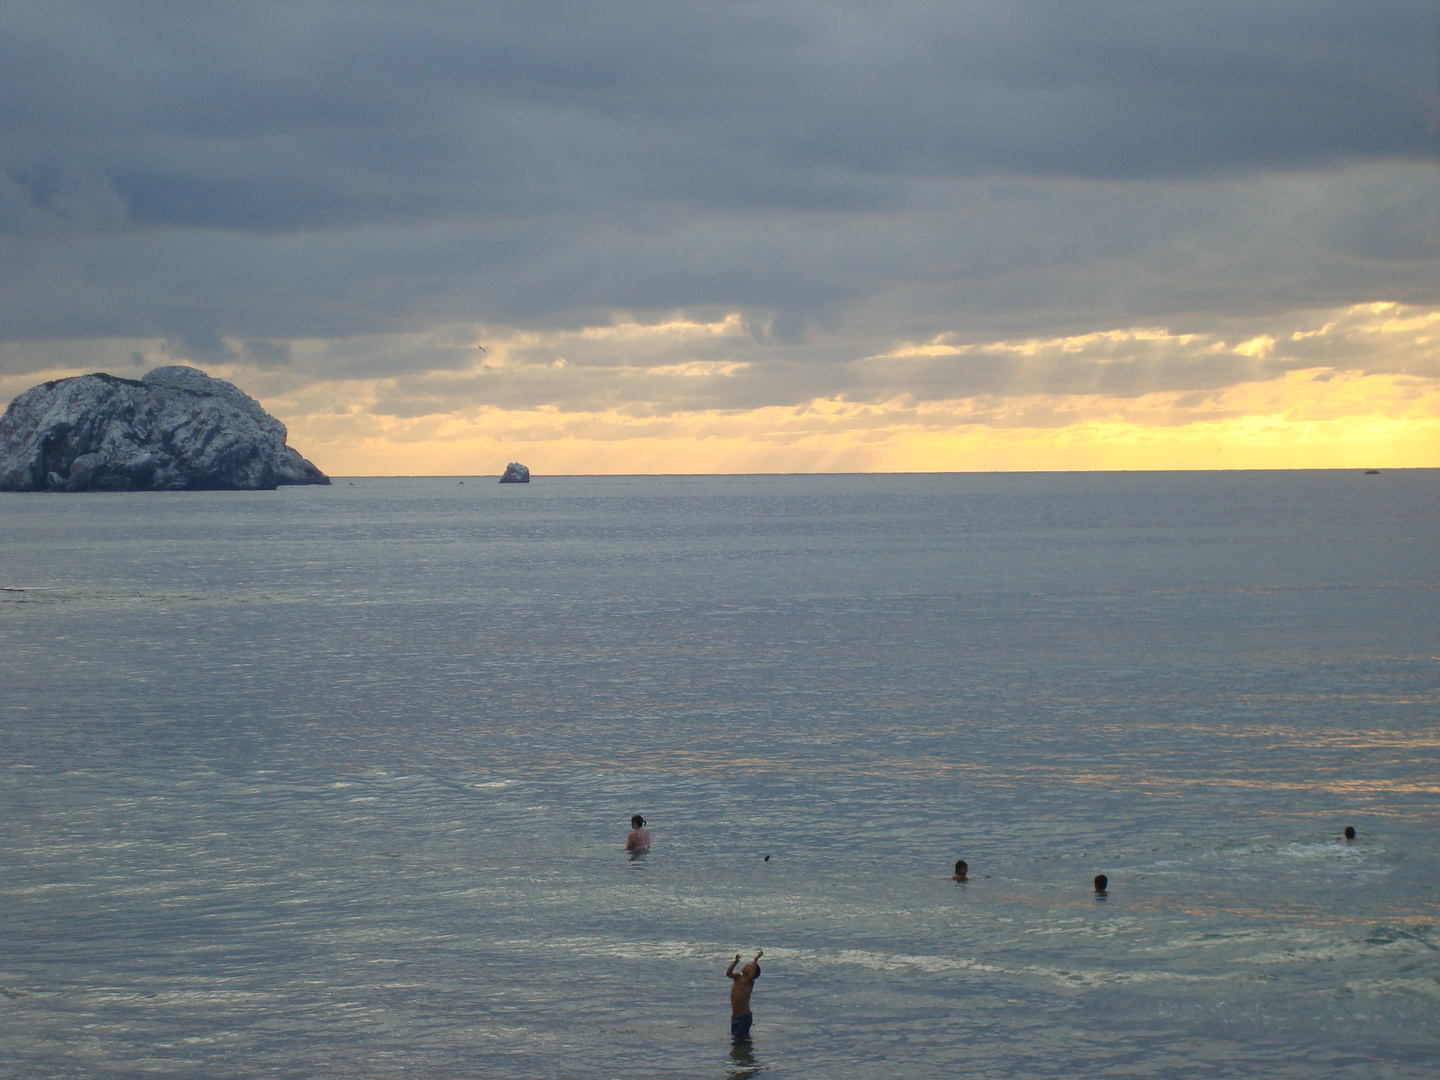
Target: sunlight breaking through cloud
[(1346, 388)]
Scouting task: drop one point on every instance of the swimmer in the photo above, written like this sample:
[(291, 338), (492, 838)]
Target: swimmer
[(1349, 832), (638, 842), (962, 871), (741, 984), (1101, 884)]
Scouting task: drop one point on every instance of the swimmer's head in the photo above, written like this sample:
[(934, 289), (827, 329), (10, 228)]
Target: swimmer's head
[(961, 868), (752, 969), (637, 822), (1349, 832), (1101, 882)]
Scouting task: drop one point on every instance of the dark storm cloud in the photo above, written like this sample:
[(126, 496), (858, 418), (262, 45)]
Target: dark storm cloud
[(266, 116), (228, 177), (989, 258)]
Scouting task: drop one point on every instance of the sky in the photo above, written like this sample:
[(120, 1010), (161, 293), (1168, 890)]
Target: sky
[(655, 236)]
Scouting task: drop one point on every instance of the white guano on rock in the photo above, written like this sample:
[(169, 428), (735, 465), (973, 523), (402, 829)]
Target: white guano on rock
[(177, 429)]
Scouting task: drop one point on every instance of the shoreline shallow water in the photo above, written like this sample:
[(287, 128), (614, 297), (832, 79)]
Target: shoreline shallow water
[(335, 781)]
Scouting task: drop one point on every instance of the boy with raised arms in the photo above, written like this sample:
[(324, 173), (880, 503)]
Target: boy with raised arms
[(741, 984)]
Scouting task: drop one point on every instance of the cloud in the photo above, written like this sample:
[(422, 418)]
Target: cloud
[(808, 196), (277, 116), (681, 366), (1307, 420), (1001, 256), (1358, 385)]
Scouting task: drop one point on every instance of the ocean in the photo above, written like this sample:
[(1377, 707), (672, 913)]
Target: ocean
[(334, 782)]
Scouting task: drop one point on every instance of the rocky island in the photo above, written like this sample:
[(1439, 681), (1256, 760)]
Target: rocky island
[(515, 473), (177, 429)]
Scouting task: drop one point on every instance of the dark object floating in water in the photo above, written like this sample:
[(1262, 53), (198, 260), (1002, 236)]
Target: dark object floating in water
[(515, 473), (1372, 472), (767, 858), (175, 430)]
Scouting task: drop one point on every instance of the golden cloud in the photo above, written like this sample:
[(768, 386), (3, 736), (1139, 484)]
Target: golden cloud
[(1354, 387)]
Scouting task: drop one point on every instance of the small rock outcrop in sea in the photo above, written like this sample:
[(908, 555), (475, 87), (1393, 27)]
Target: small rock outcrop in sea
[(176, 429), (515, 473)]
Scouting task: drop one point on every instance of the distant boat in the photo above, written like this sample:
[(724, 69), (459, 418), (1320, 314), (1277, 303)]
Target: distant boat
[(1372, 472)]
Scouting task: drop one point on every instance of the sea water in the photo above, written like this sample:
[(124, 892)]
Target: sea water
[(334, 782)]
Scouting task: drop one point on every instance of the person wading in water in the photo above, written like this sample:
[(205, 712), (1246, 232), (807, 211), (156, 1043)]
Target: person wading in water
[(638, 842), (741, 984)]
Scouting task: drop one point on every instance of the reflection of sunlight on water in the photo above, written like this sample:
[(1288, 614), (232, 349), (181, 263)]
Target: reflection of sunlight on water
[(1376, 786), (1271, 735)]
